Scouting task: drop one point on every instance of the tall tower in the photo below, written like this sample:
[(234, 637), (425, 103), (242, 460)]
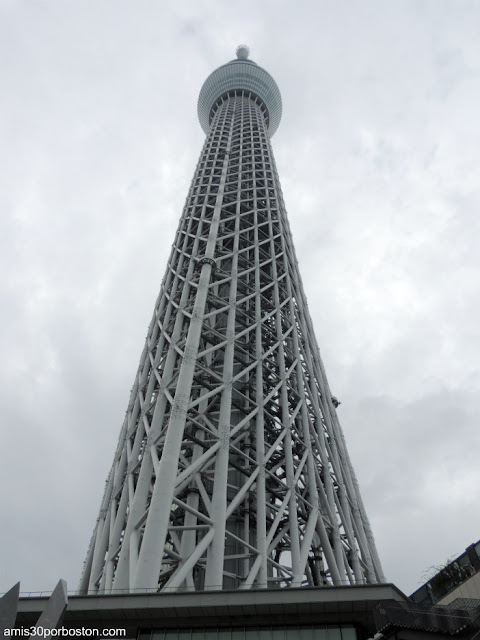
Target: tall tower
[(231, 470)]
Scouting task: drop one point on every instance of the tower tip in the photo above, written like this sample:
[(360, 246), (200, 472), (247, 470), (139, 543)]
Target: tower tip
[(243, 52)]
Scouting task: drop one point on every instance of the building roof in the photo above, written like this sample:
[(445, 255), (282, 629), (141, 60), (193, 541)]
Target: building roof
[(327, 605)]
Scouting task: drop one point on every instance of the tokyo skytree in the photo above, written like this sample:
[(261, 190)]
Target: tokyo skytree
[(231, 470)]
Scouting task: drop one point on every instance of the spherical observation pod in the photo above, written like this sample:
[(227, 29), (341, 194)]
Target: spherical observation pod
[(235, 77)]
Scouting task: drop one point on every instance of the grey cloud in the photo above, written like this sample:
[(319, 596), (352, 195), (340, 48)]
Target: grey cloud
[(378, 157)]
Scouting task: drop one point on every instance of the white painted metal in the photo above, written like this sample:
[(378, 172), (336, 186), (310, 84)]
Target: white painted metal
[(231, 469)]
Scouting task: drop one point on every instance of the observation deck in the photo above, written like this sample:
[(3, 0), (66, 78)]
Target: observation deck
[(234, 78)]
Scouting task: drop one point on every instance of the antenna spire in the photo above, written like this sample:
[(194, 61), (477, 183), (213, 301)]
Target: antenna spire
[(243, 52)]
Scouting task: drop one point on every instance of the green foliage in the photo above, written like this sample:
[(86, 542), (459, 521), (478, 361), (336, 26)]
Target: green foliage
[(444, 578)]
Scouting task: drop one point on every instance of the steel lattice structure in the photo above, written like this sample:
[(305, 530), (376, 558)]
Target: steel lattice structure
[(231, 469)]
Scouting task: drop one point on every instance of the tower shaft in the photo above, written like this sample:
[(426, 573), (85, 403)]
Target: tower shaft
[(231, 469)]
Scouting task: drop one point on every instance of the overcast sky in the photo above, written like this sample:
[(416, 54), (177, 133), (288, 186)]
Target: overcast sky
[(378, 156)]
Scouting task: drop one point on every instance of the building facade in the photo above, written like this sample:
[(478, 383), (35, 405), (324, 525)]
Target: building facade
[(231, 470)]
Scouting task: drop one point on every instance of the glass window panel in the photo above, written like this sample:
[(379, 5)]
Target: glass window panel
[(291, 633), (305, 634), (265, 634), (324, 632), (333, 633), (349, 633)]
